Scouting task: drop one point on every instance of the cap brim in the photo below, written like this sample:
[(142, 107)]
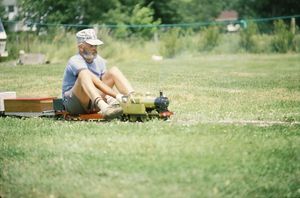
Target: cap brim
[(94, 42)]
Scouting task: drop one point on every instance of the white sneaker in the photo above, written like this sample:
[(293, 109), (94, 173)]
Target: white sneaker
[(112, 101), (112, 111)]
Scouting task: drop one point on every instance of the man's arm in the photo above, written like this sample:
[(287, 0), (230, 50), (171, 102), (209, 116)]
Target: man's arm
[(102, 86)]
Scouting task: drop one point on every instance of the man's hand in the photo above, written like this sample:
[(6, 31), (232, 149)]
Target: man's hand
[(131, 97), (121, 98)]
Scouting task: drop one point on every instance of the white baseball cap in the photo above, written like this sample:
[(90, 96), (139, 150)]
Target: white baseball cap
[(89, 36)]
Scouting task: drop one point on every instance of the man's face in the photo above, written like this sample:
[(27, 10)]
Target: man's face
[(88, 52)]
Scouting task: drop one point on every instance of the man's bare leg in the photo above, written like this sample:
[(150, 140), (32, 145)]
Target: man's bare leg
[(114, 77), (88, 85), (85, 89)]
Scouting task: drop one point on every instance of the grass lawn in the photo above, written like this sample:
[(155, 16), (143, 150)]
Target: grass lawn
[(235, 133)]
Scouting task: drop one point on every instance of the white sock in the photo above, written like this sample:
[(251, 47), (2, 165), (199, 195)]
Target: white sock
[(102, 105), (110, 99)]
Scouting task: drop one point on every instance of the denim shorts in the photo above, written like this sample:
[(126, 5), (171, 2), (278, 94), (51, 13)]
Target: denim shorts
[(74, 107)]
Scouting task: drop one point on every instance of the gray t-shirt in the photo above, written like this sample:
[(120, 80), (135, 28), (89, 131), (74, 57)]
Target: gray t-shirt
[(75, 64)]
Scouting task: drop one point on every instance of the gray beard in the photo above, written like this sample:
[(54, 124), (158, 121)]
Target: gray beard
[(88, 56)]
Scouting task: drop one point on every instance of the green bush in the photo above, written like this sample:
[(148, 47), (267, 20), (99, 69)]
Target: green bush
[(228, 44), (283, 40), (187, 40), (56, 44), (210, 38), (263, 43), (128, 19), (247, 38), (19, 41), (143, 16), (121, 32), (297, 43), (170, 43)]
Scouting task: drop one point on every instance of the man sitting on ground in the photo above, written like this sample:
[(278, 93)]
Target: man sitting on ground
[(87, 84)]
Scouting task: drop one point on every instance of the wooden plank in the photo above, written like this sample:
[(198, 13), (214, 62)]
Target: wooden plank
[(28, 104), (94, 116), (82, 117)]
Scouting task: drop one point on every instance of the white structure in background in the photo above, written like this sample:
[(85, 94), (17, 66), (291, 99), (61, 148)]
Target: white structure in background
[(12, 12), (11, 9), (3, 38), (233, 27), (230, 18)]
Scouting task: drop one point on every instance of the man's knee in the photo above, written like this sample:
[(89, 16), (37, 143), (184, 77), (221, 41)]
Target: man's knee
[(83, 75), (114, 70), (82, 83)]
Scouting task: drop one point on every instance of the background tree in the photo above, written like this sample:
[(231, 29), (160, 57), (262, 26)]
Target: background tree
[(3, 15), (83, 12), (168, 11), (201, 10), (102, 11), (51, 12), (267, 8)]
